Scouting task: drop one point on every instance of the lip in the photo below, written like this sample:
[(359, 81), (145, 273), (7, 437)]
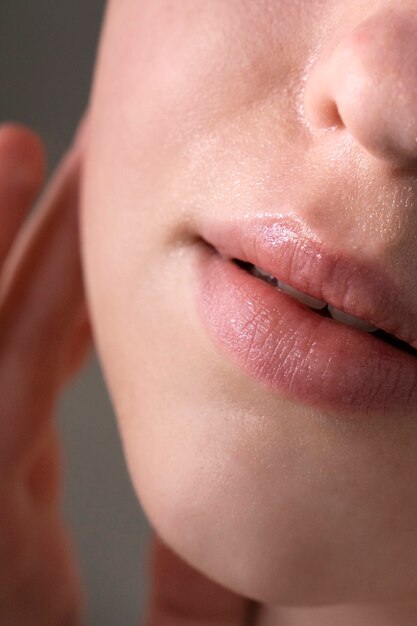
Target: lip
[(286, 346)]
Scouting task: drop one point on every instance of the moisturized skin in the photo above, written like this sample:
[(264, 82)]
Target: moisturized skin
[(226, 109)]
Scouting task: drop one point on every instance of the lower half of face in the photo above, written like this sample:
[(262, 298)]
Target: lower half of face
[(270, 488)]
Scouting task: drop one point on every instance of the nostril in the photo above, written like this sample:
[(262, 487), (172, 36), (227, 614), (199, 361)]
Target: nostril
[(325, 91), (323, 112)]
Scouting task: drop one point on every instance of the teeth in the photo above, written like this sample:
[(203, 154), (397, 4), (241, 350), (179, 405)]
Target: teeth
[(260, 273), (351, 320), (313, 303)]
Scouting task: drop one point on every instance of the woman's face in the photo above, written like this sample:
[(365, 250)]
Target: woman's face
[(273, 448)]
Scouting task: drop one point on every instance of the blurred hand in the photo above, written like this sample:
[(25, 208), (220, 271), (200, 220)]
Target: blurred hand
[(181, 596), (44, 339)]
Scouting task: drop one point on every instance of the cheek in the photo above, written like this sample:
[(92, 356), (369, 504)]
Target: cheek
[(195, 438)]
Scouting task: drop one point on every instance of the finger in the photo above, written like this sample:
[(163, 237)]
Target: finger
[(22, 173), (181, 596), (46, 590), (79, 347), (42, 473), (40, 297)]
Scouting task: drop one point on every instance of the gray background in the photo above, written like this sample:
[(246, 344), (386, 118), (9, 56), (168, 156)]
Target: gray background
[(47, 51)]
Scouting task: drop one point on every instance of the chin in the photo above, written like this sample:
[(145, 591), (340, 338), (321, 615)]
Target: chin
[(254, 519), (287, 562)]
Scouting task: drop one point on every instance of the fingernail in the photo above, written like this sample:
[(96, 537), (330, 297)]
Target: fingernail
[(22, 156)]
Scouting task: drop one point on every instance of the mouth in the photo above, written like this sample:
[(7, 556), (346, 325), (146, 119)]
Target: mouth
[(322, 308), (309, 323)]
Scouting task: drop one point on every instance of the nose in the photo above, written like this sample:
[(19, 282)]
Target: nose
[(367, 86)]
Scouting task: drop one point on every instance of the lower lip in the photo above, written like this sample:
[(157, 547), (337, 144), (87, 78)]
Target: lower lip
[(296, 352)]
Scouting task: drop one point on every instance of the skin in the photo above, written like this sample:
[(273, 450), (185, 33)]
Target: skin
[(217, 109), (205, 110)]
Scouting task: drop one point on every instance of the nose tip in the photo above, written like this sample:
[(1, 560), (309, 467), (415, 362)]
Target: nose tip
[(367, 86)]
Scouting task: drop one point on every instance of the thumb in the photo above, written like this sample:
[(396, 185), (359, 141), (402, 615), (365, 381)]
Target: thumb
[(182, 596)]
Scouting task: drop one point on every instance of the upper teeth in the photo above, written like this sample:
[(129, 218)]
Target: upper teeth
[(341, 316), (315, 303)]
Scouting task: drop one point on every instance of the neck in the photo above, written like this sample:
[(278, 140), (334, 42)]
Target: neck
[(404, 614)]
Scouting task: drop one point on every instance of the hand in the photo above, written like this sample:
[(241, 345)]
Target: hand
[(44, 339), (181, 596)]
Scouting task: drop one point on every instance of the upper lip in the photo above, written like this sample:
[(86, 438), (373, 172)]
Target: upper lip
[(284, 246)]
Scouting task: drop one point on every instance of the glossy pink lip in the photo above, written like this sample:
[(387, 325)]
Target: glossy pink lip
[(290, 348)]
